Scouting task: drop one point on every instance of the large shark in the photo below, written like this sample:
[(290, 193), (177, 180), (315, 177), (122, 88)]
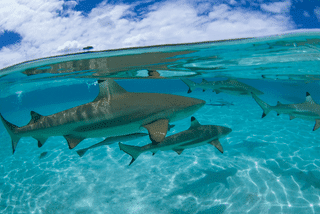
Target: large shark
[(308, 110), (229, 86), (196, 135), (114, 112)]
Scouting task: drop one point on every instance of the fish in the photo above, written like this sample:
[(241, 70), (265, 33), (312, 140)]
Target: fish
[(308, 110), (221, 103), (43, 154), (196, 135), (230, 86), (114, 112), (111, 140)]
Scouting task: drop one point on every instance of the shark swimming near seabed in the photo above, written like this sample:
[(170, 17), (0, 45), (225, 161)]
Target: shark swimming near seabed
[(220, 103), (230, 86), (308, 110), (111, 140), (114, 112), (196, 135)]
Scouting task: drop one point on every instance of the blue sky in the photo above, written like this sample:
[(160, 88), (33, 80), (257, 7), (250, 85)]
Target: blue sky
[(41, 28)]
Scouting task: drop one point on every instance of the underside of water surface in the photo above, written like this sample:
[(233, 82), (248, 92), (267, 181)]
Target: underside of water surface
[(265, 89)]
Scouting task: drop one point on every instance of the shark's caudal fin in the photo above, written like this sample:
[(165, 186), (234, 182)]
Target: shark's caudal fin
[(190, 84), (133, 151), (81, 152), (265, 106), (11, 130)]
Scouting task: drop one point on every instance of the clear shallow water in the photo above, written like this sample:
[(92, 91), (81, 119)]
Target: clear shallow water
[(269, 165)]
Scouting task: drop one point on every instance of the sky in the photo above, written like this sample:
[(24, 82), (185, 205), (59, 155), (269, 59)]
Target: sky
[(31, 29)]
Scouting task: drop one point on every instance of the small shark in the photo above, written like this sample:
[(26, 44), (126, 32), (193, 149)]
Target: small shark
[(196, 135), (221, 103), (308, 110), (229, 86), (114, 112), (111, 140)]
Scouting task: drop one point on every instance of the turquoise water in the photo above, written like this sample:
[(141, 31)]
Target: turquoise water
[(269, 165)]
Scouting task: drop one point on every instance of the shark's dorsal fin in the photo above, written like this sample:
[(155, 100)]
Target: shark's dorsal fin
[(179, 151), (278, 103), (108, 89), (217, 144), (204, 81), (157, 130), (309, 98), (317, 125), (218, 92), (194, 123), (34, 117), (73, 141)]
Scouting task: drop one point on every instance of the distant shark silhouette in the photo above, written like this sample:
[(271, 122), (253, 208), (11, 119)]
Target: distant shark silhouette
[(308, 110), (221, 103), (229, 86), (114, 112), (111, 140), (196, 135)]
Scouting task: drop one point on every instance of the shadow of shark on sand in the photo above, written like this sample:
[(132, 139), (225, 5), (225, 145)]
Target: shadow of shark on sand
[(205, 185), (307, 179), (247, 145)]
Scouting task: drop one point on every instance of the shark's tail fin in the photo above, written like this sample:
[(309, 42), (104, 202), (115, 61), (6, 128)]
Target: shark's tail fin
[(81, 152), (190, 84), (265, 106), (133, 151), (11, 130)]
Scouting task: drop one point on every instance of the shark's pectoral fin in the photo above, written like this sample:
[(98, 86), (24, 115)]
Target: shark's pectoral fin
[(73, 141), (40, 140), (179, 151), (217, 144), (317, 125), (292, 117), (34, 117), (218, 92), (157, 130)]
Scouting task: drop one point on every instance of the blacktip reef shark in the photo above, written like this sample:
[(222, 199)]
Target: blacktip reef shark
[(196, 135), (114, 112), (229, 86), (111, 140), (308, 110)]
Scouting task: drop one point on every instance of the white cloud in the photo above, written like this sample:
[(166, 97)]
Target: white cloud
[(317, 13), (306, 14), (44, 33), (277, 7)]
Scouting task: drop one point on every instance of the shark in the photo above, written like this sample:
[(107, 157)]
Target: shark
[(230, 86), (196, 135), (114, 112), (221, 103), (308, 110), (111, 140)]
